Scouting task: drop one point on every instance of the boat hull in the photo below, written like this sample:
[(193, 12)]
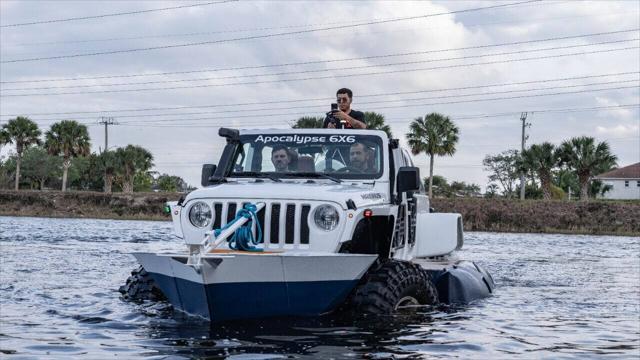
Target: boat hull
[(462, 283), (237, 286)]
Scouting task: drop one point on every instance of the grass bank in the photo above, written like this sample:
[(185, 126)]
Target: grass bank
[(502, 215), (85, 204), (552, 216)]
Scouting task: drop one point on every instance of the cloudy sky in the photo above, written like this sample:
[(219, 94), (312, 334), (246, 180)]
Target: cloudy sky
[(171, 73)]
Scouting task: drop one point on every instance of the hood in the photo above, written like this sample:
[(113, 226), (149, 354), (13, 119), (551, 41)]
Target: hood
[(363, 194)]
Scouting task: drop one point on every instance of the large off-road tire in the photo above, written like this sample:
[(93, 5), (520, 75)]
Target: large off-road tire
[(140, 287), (394, 285)]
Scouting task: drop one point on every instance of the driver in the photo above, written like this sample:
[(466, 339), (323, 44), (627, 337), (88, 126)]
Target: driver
[(360, 157), (280, 158)]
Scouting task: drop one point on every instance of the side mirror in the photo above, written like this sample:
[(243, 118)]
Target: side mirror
[(408, 179), (207, 172)]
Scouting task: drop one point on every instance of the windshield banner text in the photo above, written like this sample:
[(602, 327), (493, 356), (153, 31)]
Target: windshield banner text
[(305, 139)]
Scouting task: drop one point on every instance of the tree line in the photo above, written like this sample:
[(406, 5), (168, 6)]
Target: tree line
[(553, 172), (549, 171), (63, 158)]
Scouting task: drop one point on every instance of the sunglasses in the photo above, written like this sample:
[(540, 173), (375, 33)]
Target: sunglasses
[(342, 99)]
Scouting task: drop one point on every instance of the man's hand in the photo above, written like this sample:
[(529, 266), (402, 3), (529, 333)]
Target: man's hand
[(356, 124), (342, 116)]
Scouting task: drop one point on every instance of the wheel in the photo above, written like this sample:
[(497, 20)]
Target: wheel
[(393, 286), (140, 286)]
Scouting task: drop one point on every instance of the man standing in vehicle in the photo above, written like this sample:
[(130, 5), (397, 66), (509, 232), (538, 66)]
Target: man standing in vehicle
[(352, 119)]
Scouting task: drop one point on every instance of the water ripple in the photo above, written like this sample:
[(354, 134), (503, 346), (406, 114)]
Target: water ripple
[(559, 296)]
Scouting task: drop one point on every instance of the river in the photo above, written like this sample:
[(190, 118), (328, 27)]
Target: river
[(558, 296)]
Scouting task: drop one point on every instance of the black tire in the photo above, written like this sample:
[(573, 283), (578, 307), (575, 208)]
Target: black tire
[(140, 287), (391, 285)]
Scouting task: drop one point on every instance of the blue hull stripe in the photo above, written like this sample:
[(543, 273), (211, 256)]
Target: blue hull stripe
[(228, 301)]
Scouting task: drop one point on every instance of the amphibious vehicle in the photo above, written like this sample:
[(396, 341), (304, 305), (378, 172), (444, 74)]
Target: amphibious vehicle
[(301, 222)]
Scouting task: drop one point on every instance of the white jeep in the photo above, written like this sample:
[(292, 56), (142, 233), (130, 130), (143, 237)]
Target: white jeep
[(301, 221)]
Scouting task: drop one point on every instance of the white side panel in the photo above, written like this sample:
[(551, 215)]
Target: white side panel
[(166, 265), (241, 268), (437, 234), (422, 203), (326, 268)]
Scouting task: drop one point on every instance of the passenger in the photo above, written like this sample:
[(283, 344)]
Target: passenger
[(360, 158), (280, 158), (353, 119)]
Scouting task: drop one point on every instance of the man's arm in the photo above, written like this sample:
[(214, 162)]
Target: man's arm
[(327, 124), (356, 124)]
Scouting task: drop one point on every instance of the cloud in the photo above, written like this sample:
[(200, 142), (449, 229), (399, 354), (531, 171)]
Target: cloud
[(180, 149), (627, 113), (619, 131)]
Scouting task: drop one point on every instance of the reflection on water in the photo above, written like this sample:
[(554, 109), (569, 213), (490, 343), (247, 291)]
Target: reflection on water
[(558, 296)]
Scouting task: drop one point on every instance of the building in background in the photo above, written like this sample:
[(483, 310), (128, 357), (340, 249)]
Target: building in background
[(624, 182)]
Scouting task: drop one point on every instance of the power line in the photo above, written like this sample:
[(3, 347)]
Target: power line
[(329, 61), (328, 76), (541, 111), (366, 102), (262, 122), (203, 33), (392, 106), (186, 34), (326, 70), (267, 35), (115, 14), (330, 98)]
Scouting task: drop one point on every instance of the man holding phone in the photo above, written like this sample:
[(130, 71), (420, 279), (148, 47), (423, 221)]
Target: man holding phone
[(348, 118)]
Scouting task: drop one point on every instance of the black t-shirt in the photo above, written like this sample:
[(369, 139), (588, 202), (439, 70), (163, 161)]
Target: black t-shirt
[(358, 115)]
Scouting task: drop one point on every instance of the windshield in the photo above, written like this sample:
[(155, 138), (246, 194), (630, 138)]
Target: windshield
[(309, 155)]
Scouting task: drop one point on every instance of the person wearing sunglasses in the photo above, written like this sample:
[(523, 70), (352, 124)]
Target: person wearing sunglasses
[(351, 119)]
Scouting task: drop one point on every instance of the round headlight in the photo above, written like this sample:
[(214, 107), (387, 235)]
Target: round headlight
[(200, 214), (326, 217)]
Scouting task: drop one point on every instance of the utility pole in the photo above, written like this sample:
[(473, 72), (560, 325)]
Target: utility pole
[(523, 118), (106, 121)]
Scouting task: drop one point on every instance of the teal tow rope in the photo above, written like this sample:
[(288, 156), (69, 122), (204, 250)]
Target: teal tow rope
[(242, 238)]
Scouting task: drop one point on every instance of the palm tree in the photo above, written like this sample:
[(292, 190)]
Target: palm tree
[(107, 163), (435, 134), (4, 137), (68, 139), (375, 121), (24, 133), (586, 159), (541, 159), (131, 160), (309, 122)]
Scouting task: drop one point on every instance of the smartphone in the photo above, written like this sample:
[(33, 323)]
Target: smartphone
[(334, 107)]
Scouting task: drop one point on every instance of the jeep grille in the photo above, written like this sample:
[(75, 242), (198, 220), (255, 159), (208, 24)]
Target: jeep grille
[(283, 224)]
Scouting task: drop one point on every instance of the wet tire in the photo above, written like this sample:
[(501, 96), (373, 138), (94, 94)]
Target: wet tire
[(140, 287), (391, 286)]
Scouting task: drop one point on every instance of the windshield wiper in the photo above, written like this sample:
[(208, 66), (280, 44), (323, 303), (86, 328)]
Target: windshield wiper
[(257, 175), (311, 174)]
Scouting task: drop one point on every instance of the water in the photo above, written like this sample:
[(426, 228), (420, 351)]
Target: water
[(558, 296)]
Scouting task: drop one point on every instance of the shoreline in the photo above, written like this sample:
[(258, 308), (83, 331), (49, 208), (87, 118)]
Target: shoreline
[(550, 231), (617, 218)]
